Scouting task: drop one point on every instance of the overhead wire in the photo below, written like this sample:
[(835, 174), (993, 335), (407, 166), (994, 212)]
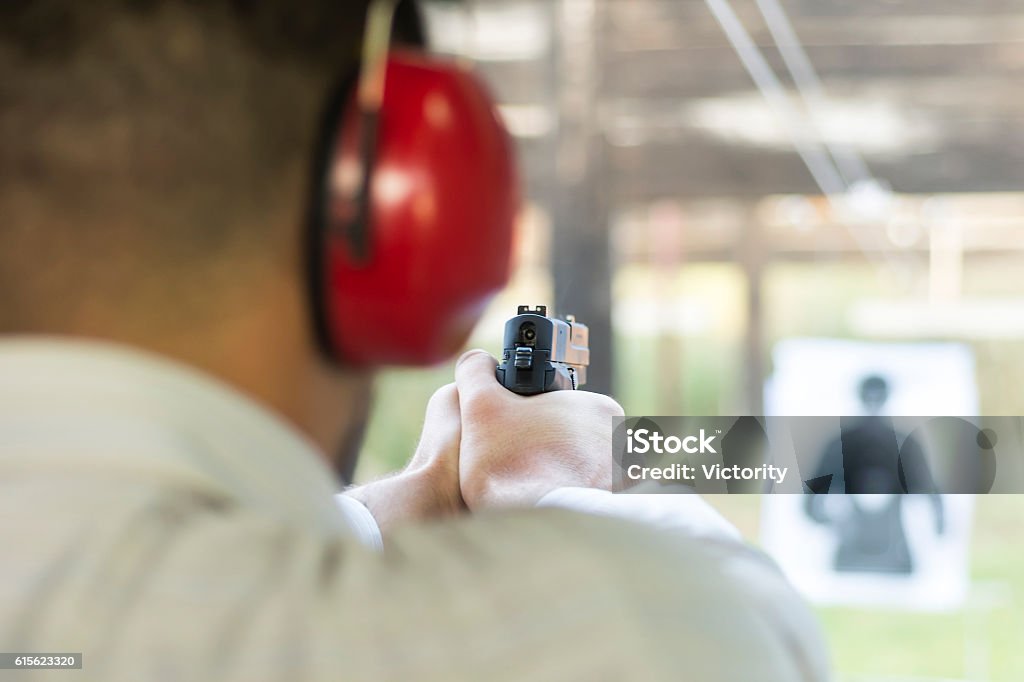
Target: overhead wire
[(813, 153), (848, 162), (804, 134)]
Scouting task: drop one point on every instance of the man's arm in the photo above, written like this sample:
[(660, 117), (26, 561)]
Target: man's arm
[(555, 450), (428, 487), (520, 449), (716, 608)]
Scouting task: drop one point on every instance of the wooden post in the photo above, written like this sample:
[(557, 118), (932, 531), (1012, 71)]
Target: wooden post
[(580, 257)]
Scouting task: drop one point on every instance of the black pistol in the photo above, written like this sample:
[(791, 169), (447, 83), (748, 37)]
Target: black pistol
[(543, 353)]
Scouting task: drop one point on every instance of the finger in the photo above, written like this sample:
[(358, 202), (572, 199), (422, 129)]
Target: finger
[(444, 404), (442, 423), (474, 375)]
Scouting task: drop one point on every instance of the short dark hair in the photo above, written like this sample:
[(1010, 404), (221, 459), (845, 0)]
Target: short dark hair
[(145, 143)]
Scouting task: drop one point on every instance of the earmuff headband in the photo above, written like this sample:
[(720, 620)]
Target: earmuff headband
[(354, 186)]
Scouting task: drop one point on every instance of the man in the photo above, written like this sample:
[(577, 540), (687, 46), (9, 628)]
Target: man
[(166, 419)]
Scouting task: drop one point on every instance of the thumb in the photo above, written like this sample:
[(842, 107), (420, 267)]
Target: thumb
[(443, 412), (442, 427), (474, 374)]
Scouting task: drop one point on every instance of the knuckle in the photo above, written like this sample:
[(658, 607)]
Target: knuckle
[(482, 405), (608, 406), (443, 397), (445, 393)]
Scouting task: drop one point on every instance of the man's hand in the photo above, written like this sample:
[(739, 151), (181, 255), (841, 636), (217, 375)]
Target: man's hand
[(515, 449), (429, 486)]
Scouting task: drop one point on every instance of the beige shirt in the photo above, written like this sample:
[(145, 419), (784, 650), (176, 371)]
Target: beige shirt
[(167, 528)]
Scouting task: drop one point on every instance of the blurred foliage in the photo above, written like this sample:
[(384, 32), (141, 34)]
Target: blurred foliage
[(400, 399)]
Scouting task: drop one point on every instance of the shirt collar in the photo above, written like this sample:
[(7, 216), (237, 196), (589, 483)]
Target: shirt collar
[(99, 408)]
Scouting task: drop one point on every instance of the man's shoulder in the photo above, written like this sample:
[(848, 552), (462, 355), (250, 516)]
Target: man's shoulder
[(561, 551), (502, 595), (626, 594)]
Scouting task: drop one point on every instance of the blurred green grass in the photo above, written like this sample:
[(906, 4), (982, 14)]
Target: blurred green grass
[(870, 644)]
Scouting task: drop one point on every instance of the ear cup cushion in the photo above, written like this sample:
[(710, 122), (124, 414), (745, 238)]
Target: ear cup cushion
[(316, 224), (444, 195)]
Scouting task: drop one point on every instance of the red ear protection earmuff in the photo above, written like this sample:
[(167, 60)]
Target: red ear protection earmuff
[(414, 214)]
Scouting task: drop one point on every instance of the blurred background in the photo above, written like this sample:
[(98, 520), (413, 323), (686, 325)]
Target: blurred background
[(706, 181)]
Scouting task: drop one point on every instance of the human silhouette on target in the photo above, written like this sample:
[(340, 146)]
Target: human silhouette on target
[(865, 461)]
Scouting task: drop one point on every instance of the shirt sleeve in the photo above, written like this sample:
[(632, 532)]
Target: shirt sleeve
[(360, 521), (685, 513), (780, 615)]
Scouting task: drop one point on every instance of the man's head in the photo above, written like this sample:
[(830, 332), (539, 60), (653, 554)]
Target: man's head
[(154, 170), (874, 392)]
